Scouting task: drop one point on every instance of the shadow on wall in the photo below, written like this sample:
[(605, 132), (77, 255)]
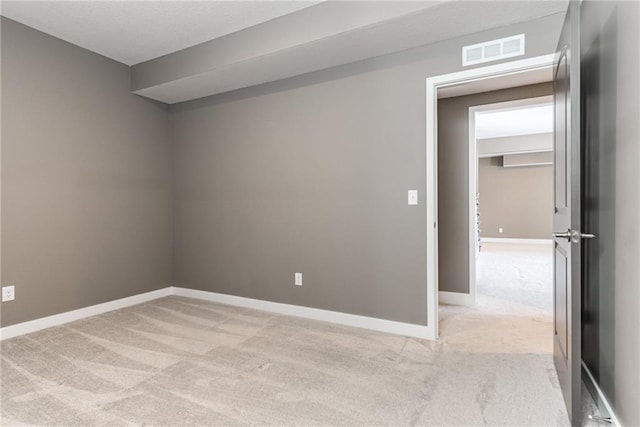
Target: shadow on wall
[(599, 89)]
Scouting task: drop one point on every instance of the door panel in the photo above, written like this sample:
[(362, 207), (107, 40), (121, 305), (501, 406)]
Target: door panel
[(566, 218), (560, 152), (560, 301)]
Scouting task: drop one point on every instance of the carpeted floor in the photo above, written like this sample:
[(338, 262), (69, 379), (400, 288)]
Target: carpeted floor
[(514, 302), (178, 361)]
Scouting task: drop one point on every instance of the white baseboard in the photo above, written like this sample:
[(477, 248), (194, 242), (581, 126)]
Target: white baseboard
[(591, 383), (517, 241), (372, 323), (70, 316), (455, 298)]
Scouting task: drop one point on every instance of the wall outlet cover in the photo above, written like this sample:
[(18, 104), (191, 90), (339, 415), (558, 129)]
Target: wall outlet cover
[(297, 279), (8, 293)]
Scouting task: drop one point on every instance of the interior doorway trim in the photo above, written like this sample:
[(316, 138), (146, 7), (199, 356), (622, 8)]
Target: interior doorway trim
[(473, 179), (432, 86)]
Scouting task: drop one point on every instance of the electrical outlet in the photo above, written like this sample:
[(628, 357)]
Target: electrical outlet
[(297, 279), (8, 293), (500, 230)]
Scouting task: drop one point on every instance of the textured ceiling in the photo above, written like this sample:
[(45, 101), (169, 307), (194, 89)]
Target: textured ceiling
[(135, 31)]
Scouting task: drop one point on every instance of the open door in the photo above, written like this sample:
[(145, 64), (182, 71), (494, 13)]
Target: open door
[(566, 218)]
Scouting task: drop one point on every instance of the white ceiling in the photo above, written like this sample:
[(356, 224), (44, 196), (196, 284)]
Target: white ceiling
[(527, 120), (244, 43), (135, 31)]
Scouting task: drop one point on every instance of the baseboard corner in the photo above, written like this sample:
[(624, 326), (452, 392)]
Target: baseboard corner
[(455, 298), (81, 313), (340, 318)]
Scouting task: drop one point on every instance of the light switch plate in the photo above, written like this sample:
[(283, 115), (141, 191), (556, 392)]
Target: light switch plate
[(412, 197)]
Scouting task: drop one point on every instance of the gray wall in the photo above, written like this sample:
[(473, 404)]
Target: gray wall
[(304, 175), (611, 280), (453, 179), (311, 180), (308, 174), (518, 199), (311, 175), (86, 179)]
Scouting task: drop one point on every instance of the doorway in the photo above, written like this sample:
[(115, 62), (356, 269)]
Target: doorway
[(511, 197), (473, 332), (476, 80), (500, 136)]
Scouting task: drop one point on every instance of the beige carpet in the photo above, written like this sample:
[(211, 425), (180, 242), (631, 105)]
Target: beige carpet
[(514, 302), (178, 361)]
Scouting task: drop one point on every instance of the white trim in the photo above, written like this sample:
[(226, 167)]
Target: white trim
[(70, 316), (372, 323), (592, 382), (432, 86), (473, 191), (517, 241), (456, 298), (431, 201)]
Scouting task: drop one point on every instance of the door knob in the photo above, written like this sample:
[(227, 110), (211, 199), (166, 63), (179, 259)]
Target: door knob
[(563, 235), (572, 235)]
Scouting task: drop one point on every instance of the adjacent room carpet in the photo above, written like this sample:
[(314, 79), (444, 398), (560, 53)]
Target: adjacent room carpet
[(182, 362)]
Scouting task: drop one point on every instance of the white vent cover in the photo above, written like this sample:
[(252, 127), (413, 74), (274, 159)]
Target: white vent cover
[(493, 50)]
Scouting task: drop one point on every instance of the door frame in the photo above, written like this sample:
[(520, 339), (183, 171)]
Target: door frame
[(432, 85), (474, 169)]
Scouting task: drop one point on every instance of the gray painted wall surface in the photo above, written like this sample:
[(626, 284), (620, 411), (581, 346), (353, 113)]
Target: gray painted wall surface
[(86, 179), (518, 199), (453, 179), (611, 86), (309, 180), (308, 174), (311, 175), (86, 176)]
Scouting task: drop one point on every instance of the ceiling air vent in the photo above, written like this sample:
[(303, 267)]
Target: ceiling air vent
[(493, 50)]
